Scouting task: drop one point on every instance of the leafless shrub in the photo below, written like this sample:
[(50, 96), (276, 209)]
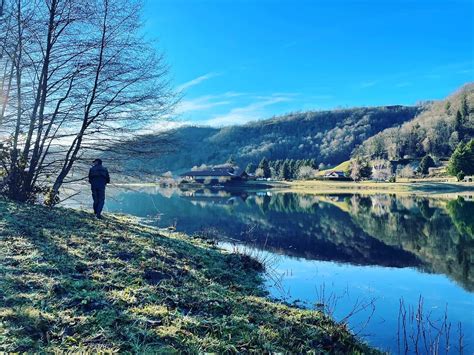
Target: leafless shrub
[(328, 302), (419, 333)]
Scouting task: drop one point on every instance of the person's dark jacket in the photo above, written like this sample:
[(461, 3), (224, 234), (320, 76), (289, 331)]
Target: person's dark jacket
[(98, 177)]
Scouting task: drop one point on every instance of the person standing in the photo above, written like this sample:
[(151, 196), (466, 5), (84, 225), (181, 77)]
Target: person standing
[(98, 178)]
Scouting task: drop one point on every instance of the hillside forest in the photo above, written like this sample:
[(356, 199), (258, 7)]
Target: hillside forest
[(405, 139)]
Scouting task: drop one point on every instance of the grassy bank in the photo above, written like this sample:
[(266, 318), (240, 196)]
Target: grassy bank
[(69, 282), (414, 187)]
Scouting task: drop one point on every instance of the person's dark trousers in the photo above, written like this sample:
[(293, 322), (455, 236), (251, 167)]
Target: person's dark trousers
[(98, 195)]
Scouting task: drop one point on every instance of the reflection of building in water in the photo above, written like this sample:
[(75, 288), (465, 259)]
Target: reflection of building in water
[(203, 197), (215, 176)]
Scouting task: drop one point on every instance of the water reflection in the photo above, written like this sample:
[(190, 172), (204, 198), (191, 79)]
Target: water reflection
[(382, 247), (406, 231), (440, 234)]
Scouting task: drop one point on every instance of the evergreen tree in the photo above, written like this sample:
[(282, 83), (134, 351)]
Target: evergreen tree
[(280, 168), (426, 163), (285, 172), (271, 164), (462, 160), (447, 108), (292, 166), (265, 168), (366, 171), (464, 107), (277, 167), (459, 125), (360, 170), (298, 165), (250, 169), (231, 161), (274, 168)]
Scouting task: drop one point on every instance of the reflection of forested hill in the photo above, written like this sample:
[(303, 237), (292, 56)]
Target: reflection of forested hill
[(443, 241), (286, 223), (367, 230), (299, 226)]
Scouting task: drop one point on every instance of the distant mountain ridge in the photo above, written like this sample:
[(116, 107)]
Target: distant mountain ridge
[(436, 131), (329, 137)]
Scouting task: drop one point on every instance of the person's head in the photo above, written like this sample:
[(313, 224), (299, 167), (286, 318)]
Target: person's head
[(97, 162)]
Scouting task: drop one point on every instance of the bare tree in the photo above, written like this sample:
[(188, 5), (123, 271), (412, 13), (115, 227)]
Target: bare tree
[(77, 79), (381, 170), (306, 173), (360, 170)]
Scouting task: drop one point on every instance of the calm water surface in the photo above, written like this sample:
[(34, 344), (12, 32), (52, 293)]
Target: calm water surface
[(365, 259)]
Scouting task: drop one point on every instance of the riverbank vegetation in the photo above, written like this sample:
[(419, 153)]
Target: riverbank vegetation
[(73, 283)]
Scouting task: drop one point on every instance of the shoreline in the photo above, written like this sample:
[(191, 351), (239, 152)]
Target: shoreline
[(74, 283), (445, 190), (426, 189)]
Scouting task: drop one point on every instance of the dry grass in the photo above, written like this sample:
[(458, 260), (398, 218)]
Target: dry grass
[(69, 282), (419, 187), (341, 167)]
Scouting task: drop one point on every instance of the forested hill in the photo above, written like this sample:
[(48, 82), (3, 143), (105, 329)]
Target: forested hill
[(329, 137), (436, 131)]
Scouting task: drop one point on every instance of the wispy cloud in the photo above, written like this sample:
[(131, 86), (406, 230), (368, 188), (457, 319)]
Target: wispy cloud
[(162, 126), (197, 81), (199, 104), (404, 84), (206, 102), (368, 84), (250, 112)]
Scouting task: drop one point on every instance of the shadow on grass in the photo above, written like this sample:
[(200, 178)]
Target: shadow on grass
[(70, 282)]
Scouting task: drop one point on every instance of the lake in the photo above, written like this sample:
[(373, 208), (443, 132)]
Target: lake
[(398, 269)]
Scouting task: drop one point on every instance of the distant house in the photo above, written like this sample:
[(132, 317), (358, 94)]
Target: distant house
[(468, 178), (213, 176), (335, 175)]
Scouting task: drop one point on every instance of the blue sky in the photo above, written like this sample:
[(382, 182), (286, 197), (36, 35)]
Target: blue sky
[(242, 60)]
